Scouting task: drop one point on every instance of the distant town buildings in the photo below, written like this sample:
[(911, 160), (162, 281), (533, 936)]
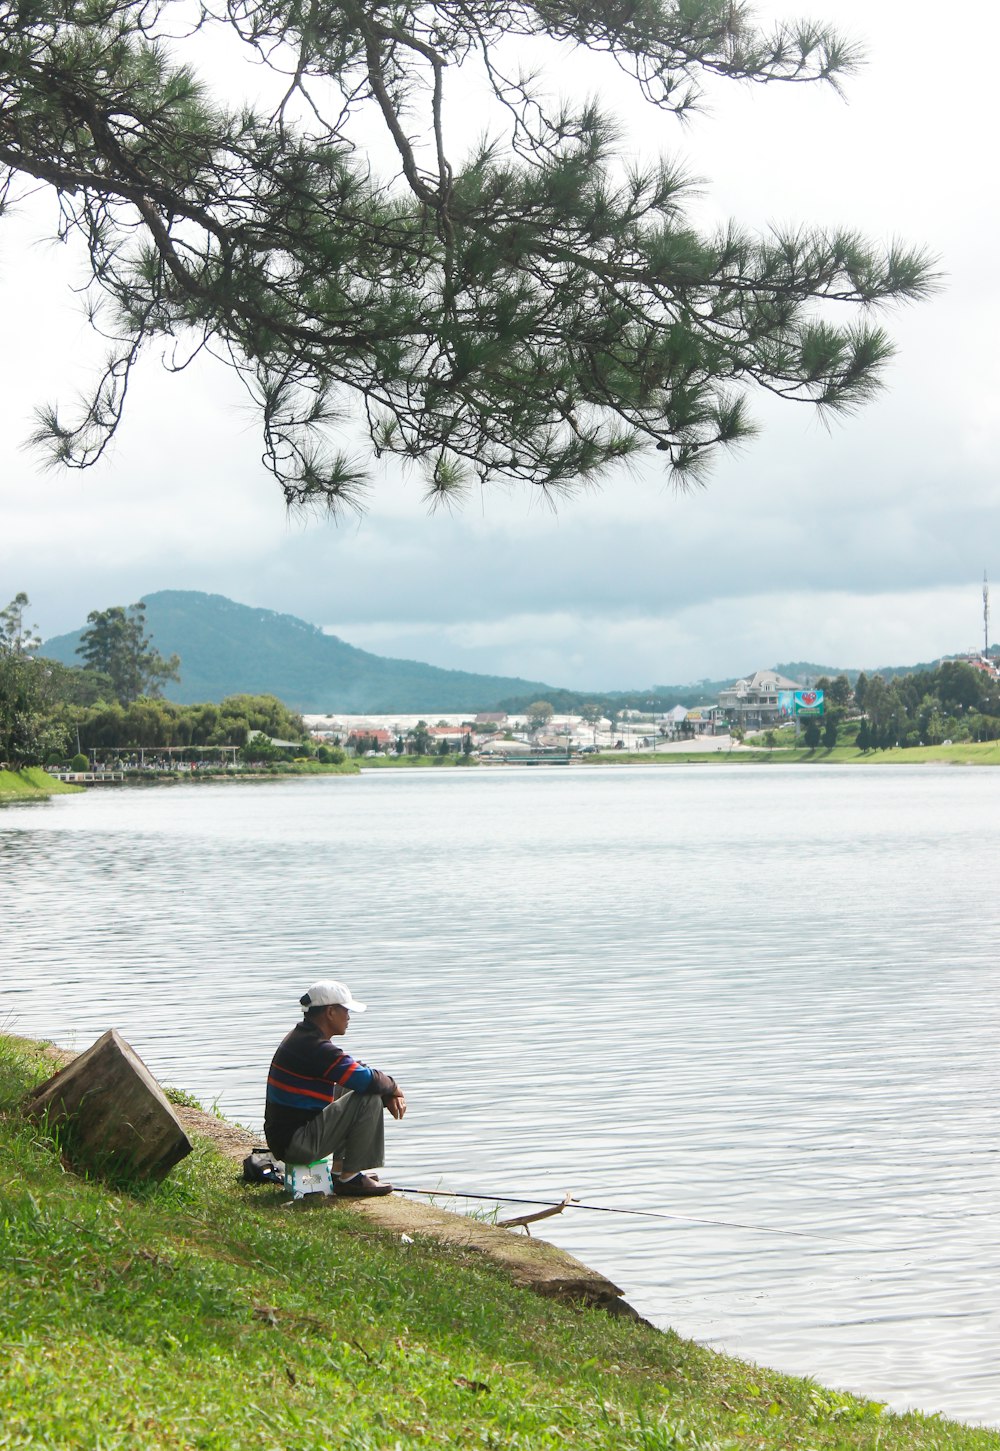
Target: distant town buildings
[(499, 733)]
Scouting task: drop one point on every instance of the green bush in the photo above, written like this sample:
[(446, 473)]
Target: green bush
[(811, 733), (54, 758), (79, 763)]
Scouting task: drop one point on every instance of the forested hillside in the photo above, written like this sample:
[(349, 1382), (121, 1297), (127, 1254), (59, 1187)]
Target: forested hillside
[(227, 649)]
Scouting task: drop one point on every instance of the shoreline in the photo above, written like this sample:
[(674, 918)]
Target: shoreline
[(410, 1326), (973, 753), (32, 783)]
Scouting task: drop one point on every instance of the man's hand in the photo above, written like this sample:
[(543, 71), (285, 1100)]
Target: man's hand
[(396, 1104)]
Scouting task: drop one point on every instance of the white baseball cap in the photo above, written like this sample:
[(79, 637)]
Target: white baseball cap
[(328, 994)]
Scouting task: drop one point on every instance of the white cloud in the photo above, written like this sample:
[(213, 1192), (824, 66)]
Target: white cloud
[(738, 634)]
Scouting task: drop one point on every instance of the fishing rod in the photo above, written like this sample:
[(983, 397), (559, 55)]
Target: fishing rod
[(570, 1203)]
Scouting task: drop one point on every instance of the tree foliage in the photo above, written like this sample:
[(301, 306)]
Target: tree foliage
[(116, 644), (16, 635), (21, 741), (539, 714), (151, 723), (75, 685), (525, 306), (953, 701), (837, 692), (25, 690), (419, 739)]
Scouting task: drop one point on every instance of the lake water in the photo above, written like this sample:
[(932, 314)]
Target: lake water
[(766, 996)]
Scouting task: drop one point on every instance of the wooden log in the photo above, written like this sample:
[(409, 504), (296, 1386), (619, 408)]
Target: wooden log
[(112, 1115)]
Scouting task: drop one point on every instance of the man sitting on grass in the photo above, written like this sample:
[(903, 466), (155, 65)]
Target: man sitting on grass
[(321, 1101)]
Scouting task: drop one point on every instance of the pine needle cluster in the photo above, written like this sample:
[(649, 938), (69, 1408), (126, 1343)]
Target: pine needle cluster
[(521, 308)]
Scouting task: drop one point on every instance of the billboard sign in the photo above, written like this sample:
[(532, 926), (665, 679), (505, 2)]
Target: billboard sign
[(792, 703)]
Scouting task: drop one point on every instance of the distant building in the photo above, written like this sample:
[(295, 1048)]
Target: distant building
[(986, 663), (448, 733), (752, 704), (679, 722), (491, 717), (498, 749), (374, 739), (702, 721), (670, 723)]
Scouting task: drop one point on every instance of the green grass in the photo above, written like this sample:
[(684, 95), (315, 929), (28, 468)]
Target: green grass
[(316, 768), (965, 753), (968, 753), (202, 1315), (273, 769), (31, 784), (454, 758)]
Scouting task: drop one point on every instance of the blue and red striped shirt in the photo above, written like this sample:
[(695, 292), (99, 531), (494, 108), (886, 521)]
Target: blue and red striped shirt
[(304, 1076)]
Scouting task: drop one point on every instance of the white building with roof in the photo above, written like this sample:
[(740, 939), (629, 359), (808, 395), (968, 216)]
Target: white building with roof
[(752, 704)]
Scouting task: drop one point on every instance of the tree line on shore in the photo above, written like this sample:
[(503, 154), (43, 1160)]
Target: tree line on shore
[(49, 711), (952, 701)]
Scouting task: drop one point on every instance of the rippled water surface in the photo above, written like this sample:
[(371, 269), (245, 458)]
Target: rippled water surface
[(766, 996)]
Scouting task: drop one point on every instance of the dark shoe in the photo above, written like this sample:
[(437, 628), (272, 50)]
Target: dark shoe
[(360, 1187)]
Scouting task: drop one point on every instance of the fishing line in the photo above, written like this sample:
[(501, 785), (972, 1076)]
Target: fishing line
[(608, 1209)]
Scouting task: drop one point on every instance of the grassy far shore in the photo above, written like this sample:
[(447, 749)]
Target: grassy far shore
[(967, 753), (202, 1315), (376, 763), (970, 753), (31, 784)]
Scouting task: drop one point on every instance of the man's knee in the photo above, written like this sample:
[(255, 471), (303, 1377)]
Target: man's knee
[(370, 1106)]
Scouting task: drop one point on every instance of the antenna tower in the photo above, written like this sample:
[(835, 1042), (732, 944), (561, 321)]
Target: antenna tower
[(986, 617)]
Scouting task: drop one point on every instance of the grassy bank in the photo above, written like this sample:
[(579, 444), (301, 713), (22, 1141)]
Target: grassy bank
[(31, 784), (273, 771), (968, 753), (380, 763), (203, 1314), (301, 768)]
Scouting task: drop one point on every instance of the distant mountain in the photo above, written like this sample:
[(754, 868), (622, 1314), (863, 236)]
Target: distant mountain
[(697, 692), (807, 672), (231, 649)]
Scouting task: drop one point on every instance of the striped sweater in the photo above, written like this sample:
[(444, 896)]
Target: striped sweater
[(305, 1073)]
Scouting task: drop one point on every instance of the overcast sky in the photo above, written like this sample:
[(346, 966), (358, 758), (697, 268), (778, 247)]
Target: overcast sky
[(859, 546)]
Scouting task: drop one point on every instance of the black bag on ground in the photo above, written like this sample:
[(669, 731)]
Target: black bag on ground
[(261, 1167)]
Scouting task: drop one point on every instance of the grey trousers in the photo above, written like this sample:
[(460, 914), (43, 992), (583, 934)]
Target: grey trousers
[(351, 1128)]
